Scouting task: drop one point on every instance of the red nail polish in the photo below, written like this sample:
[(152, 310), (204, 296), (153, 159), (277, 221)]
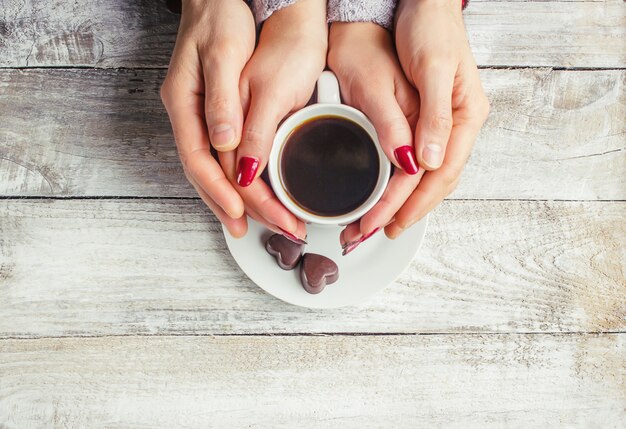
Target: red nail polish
[(406, 158), (290, 236), (366, 236), (246, 170), (349, 247)]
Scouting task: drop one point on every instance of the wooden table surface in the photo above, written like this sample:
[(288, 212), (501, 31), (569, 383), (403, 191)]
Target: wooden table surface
[(120, 305)]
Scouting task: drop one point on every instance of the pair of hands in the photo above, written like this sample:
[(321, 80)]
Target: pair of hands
[(223, 93)]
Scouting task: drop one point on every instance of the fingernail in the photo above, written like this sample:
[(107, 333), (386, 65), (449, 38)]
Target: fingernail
[(222, 135), (433, 155), (246, 170), (349, 247), (291, 237), (406, 158), (395, 234)]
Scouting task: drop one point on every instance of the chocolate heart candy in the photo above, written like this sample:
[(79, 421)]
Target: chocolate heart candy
[(286, 252), (317, 271)]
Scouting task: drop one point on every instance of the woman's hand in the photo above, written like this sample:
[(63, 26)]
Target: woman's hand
[(436, 58), (201, 94), (279, 78), (371, 79)]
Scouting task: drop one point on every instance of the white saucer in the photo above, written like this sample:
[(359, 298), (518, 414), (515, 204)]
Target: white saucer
[(368, 269)]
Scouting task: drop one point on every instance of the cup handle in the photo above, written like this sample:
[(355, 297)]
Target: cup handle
[(328, 88)]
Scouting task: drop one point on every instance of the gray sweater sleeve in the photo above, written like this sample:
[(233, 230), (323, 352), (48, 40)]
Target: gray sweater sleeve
[(377, 11), (263, 9)]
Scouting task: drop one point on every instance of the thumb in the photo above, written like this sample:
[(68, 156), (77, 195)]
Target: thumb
[(435, 119), (392, 128), (264, 114), (222, 106)]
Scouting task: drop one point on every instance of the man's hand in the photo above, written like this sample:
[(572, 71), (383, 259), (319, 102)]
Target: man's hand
[(201, 94), (436, 59)]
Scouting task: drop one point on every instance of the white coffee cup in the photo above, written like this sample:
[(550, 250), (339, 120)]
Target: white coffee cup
[(328, 104)]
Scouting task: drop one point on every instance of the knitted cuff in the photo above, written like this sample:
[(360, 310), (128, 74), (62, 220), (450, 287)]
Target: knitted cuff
[(377, 11), (263, 9)]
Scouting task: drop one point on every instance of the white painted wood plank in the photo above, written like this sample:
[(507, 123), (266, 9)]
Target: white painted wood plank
[(557, 34), (113, 33), (314, 382), (94, 33), (161, 267), (551, 135), (82, 132)]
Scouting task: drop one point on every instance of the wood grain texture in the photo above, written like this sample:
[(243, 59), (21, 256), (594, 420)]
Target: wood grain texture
[(551, 135), (314, 382), (558, 34), (80, 132), (151, 316), (93, 33), (113, 33), (94, 267)]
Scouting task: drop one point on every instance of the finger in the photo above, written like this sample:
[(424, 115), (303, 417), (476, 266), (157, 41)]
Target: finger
[(436, 185), (435, 120), (236, 227), (260, 198), (223, 111), (399, 189), (300, 232), (264, 114), (184, 105), (259, 219), (391, 124), (207, 173), (408, 99), (351, 238), (350, 233)]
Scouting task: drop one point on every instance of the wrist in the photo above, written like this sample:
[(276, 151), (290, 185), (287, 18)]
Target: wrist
[(303, 14), (456, 5), (411, 11), (303, 22), (355, 33)]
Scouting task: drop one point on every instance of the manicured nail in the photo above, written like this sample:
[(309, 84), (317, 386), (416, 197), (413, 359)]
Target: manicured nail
[(368, 235), (361, 239), (289, 236), (406, 158), (433, 155), (350, 246), (396, 234), (222, 135), (349, 249), (347, 244), (246, 171)]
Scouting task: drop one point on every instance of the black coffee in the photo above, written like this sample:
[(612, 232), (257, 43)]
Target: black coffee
[(329, 166)]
